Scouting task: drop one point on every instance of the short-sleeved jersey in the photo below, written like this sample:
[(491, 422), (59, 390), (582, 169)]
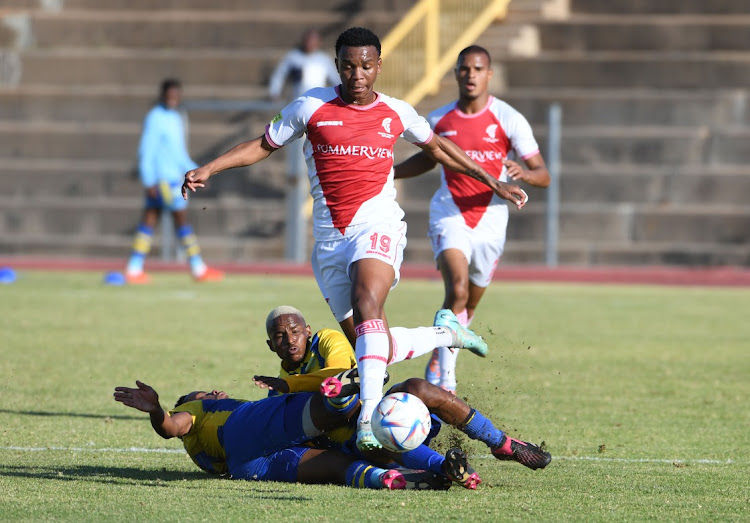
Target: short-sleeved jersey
[(329, 353), (349, 155), (203, 442), (487, 137)]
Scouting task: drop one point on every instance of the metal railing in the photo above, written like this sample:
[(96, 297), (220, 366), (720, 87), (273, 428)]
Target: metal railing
[(423, 46)]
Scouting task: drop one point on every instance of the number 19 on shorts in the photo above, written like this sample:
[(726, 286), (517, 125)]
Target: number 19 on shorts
[(380, 242)]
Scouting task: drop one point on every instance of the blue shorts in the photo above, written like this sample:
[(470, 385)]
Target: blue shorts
[(256, 435), (278, 466), (169, 198)]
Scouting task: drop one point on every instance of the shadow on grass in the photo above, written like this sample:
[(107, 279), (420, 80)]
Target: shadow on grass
[(136, 476), (44, 413)]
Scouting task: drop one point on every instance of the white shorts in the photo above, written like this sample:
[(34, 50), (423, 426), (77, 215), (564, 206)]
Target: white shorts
[(331, 260), (482, 245)]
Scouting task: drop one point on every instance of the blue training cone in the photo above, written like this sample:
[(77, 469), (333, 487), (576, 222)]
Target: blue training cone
[(114, 278), (7, 275)]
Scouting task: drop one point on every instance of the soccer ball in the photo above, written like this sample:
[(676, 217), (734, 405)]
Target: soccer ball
[(401, 422)]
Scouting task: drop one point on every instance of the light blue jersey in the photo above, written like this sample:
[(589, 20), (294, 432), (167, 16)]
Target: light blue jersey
[(162, 155)]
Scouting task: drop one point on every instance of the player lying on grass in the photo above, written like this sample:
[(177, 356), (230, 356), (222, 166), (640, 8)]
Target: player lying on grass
[(290, 337), (307, 359), (266, 440)]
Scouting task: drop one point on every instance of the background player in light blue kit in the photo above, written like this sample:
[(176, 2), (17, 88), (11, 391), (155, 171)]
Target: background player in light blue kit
[(162, 161)]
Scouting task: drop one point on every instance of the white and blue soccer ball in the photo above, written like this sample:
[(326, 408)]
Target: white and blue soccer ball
[(401, 422)]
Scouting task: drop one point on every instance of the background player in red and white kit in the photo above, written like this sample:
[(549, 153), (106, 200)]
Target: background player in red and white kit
[(359, 235), (468, 222)]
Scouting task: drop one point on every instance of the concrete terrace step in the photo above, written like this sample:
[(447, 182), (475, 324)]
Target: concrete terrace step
[(624, 183), (76, 66), (104, 140), (664, 33), (190, 29), (600, 145), (595, 144), (626, 222), (214, 250), (643, 106), (122, 103), (581, 253), (31, 178), (660, 7), (113, 216), (233, 5), (656, 184), (619, 70)]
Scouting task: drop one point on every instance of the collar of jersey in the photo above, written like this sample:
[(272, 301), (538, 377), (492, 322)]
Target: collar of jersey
[(355, 106)]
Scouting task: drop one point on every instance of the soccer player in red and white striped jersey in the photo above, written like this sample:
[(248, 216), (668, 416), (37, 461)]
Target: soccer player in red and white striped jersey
[(359, 234), (467, 221)]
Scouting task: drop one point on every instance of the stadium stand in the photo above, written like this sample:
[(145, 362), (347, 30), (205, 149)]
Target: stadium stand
[(654, 102)]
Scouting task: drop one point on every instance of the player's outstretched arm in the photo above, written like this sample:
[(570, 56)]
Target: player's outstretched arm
[(242, 155), (418, 164), (451, 156), (145, 399)]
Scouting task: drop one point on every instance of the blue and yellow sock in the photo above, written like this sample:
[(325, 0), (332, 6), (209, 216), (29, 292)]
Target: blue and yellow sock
[(141, 246), (189, 242), (361, 474), (423, 458), (342, 404), (478, 427)]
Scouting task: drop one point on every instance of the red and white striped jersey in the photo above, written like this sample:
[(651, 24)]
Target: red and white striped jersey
[(349, 155), (487, 137)]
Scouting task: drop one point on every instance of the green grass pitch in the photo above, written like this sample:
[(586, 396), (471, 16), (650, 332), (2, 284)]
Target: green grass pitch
[(640, 394)]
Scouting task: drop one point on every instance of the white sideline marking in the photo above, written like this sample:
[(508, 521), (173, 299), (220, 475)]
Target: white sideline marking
[(96, 449), (635, 460), (142, 450)]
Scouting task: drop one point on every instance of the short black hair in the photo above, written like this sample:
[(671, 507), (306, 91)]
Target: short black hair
[(167, 84), (184, 399), (474, 49), (357, 37)]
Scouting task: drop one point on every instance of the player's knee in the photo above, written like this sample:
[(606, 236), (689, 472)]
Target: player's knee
[(419, 388)]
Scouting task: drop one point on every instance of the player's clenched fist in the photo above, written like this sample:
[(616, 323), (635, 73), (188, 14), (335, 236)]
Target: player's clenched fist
[(510, 192)]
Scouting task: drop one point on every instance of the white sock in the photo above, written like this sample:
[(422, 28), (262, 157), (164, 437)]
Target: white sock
[(448, 358), (412, 343), (371, 349)]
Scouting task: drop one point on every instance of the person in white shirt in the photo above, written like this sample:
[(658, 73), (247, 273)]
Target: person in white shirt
[(303, 68)]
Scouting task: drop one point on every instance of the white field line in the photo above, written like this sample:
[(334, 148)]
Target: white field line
[(141, 450), (136, 450), (635, 460)]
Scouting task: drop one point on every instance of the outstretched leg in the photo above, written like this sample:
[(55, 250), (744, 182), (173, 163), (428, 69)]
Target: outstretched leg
[(474, 424)]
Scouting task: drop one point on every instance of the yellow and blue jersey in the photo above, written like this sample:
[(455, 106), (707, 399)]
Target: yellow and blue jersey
[(204, 441), (329, 353)]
